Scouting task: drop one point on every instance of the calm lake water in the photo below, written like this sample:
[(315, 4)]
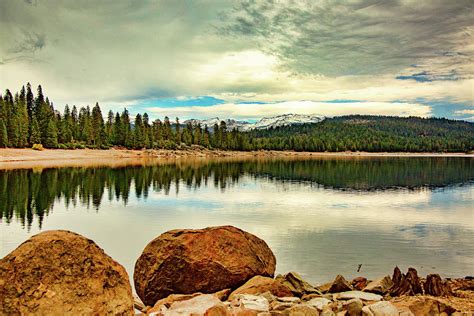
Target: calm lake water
[(321, 217)]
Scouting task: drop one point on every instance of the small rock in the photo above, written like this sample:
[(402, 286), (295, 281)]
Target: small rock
[(288, 299), (319, 302), (359, 295), (339, 285), (259, 285), (327, 311), (353, 307), (253, 302), (217, 310), (429, 306), (199, 305), (296, 284), (382, 308), (359, 283), (303, 310), (166, 302), (280, 306), (307, 297), (380, 286), (223, 294), (240, 311)]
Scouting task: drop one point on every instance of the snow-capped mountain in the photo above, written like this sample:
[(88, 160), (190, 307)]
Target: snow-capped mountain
[(230, 123), (264, 123)]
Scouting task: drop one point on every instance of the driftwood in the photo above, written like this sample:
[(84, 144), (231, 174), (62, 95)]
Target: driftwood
[(435, 286), (405, 284)]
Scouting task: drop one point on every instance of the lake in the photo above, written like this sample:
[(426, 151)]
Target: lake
[(320, 216)]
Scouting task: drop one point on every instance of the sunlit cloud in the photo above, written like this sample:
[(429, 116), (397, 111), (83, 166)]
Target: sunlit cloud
[(151, 54)]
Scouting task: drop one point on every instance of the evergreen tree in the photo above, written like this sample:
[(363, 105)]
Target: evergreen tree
[(139, 141), (23, 119), (127, 135), (51, 140), (3, 134), (178, 132), (167, 129), (74, 124), (109, 128), (35, 135), (119, 138), (97, 126)]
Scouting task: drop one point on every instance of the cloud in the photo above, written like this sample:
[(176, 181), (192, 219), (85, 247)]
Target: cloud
[(146, 53), (357, 37)]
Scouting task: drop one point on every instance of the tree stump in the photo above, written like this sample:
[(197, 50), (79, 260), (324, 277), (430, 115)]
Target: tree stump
[(405, 284), (435, 286)]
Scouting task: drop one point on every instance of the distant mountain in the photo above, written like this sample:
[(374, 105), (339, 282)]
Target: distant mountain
[(264, 123)]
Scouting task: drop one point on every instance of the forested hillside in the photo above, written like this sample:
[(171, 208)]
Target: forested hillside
[(26, 120), (371, 133)]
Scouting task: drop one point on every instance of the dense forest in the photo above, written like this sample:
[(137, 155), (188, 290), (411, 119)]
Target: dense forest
[(27, 120), (26, 194)]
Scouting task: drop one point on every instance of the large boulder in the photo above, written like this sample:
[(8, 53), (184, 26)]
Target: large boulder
[(60, 272), (206, 260)]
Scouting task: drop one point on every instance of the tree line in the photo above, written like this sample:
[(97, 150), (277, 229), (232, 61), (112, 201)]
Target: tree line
[(26, 120)]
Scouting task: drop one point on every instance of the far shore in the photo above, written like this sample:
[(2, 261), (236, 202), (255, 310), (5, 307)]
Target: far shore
[(12, 158)]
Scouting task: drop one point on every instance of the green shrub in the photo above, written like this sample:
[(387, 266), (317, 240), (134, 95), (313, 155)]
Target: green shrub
[(37, 147)]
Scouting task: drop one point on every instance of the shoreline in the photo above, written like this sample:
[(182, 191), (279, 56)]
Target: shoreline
[(11, 158), (28, 154)]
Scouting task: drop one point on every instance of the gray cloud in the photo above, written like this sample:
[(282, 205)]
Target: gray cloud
[(118, 52), (357, 37)]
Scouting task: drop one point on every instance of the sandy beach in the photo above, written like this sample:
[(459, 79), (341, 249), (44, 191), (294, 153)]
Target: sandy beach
[(12, 158)]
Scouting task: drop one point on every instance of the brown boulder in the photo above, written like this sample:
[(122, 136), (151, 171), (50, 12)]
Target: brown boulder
[(339, 285), (259, 285), (60, 272), (206, 260)]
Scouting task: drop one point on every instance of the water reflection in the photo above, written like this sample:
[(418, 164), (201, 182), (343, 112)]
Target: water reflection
[(29, 193), (321, 217)]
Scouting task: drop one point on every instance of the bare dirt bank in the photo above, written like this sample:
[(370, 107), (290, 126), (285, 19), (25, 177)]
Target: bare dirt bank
[(11, 158)]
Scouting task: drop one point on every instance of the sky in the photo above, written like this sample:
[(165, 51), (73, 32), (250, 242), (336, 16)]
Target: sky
[(244, 60)]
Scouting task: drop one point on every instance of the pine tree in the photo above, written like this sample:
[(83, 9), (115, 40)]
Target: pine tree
[(109, 127), (118, 131), (127, 136), (3, 134), (74, 124), (51, 140), (35, 135), (97, 124), (147, 134), (67, 125), (178, 132), (167, 129), (23, 119), (138, 133)]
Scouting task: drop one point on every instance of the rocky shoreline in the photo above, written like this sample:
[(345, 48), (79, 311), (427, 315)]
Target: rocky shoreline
[(213, 271)]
